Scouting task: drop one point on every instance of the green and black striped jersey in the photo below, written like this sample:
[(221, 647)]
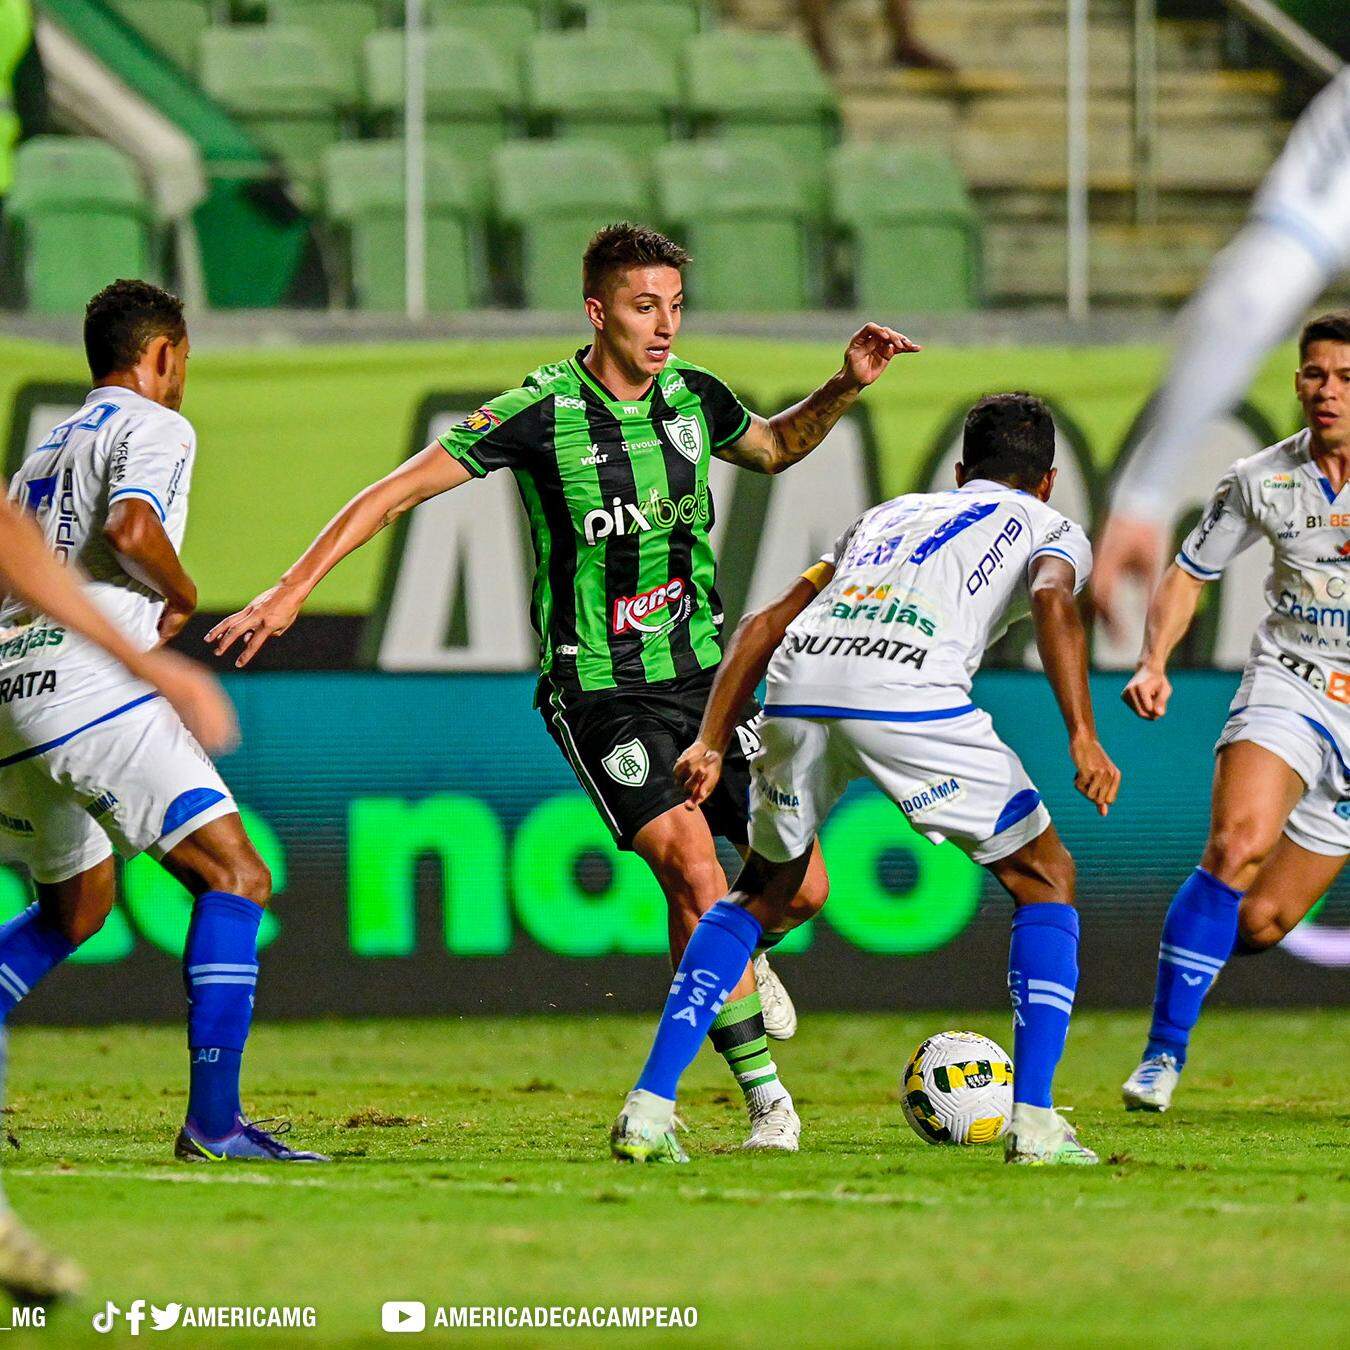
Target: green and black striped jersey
[(617, 496)]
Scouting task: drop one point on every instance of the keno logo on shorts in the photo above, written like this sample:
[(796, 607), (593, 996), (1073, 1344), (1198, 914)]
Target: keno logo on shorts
[(630, 611)]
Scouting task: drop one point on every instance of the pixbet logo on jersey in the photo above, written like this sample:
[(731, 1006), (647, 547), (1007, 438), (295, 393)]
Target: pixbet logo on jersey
[(655, 512), (632, 611)]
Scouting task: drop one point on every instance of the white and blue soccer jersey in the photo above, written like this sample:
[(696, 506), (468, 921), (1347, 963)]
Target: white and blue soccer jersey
[(1294, 697), (873, 678), (923, 584), (119, 446), (91, 757)]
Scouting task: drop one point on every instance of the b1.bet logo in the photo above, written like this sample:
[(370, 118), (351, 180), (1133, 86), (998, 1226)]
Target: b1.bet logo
[(161, 1319)]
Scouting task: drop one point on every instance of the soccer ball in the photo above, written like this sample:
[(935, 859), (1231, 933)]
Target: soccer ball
[(957, 1089)]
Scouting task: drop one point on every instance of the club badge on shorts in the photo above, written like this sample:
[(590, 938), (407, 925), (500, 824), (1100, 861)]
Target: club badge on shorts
[(627, 763)]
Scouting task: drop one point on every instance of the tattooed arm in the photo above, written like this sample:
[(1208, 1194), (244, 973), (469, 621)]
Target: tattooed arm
[(775, 444)]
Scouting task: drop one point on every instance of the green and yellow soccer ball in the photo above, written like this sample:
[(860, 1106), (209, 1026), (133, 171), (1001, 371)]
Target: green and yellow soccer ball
[(957, 1089)]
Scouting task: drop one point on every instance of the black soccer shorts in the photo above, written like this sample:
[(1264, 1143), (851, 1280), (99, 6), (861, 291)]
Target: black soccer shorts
[(622, 745)]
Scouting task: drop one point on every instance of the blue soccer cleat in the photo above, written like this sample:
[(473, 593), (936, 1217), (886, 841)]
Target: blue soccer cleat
[(247, 1142)]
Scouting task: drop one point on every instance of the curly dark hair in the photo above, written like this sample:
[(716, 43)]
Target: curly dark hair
[(1009, 438), (1333, 326), (122, 318), (625, 245)]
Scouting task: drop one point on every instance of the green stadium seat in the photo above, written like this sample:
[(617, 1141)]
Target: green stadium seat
[(473, 94), (741, 210), (916, 236), (343, 25), (364, 193), (554, 196), (173, 27), (82, 220), (602, 86), (506, 28), (661, 22), (543, 13), (761, 86), (285, 86)]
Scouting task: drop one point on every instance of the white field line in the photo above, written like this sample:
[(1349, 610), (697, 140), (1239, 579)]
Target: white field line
[(215, 1176)]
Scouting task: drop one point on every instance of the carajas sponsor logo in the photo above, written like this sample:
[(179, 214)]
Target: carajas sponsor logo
[(633, 611)]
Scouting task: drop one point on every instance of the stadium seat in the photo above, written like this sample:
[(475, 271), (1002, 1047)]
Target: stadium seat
[(916, 237), (284, 86), (472, 92), (555, 195), (659, 21), (762, 86), (741, 209), (364, 192), (602, 86), (343, 25), (82, 220), (174, 27), (506, 28), (545, 13)]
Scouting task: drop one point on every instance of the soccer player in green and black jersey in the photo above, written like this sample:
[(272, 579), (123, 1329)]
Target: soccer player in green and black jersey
[(610, 450)]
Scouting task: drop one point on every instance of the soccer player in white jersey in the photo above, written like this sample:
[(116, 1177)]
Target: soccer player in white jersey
[(1279, 826), (29, 1272), (91, 758), (883, 637), (1293, 246)]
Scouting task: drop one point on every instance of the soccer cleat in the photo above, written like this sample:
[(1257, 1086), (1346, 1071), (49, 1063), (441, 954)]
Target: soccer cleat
[(780, 1017), (645, 1131), (1151, 1085), (1039, 1136), (247, 1142), (775, 1126), (30, 1272)]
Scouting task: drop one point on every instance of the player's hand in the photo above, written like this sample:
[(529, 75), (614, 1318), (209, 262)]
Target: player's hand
[(196, 696), (1128, 549), (267, 616), (1147, 693), (698, 771), (171, 622), (870, 350), (1097, 778)]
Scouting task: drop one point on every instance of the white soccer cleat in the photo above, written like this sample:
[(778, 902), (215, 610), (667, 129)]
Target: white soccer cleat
[(645, 1131), (775, 1126), (30, 1272), (780, 1017), (1151, 1085), (1039, 1136)]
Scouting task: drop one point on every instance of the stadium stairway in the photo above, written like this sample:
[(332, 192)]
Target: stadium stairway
[(1002, 118)]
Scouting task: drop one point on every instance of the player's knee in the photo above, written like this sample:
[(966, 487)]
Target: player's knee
[(1234, 848), (79, 925), (246, 875), (692, 884), (811, 896)]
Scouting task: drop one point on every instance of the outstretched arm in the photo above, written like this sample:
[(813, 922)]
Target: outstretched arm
[(1062, 643), (1169, 617), (774, 444), (752, 647), (31, 572), (427, 474)]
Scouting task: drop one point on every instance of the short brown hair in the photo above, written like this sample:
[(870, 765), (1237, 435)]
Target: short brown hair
[(623, 245), (123, 318), (1333, 326)]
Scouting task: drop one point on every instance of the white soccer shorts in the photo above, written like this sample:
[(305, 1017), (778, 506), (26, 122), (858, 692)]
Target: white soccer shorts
[(1321, 820), (135, 779), (951, 779)]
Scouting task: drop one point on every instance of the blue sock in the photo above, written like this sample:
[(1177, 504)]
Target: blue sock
[(713, 963), (1042, 982), (1197, 938), (220, 970), (30, 946)]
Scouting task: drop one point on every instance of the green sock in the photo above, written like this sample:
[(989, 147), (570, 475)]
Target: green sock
[(738, 1035)]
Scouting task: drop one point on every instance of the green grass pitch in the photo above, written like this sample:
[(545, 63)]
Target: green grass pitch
[(472, 1169)]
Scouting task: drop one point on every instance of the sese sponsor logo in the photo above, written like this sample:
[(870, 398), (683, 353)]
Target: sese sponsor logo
[(654, 512), (637, 612)]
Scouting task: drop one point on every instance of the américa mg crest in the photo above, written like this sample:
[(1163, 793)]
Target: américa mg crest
[(686, 435)]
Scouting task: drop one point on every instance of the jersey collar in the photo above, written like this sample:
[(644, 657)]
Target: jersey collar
[(598, 388), (988, 485)]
